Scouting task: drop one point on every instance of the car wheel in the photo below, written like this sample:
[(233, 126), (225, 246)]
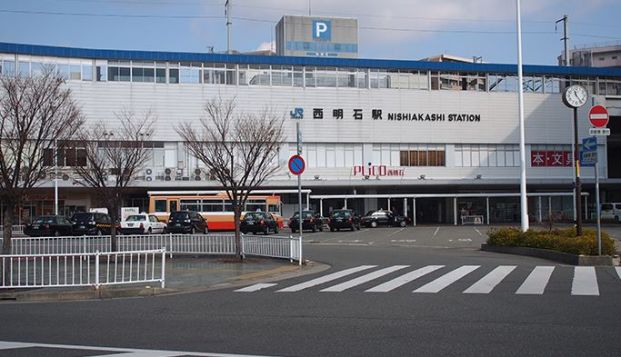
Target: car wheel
[(314, 229), (353, 228), (338, 229), (402, 224), (321, 228), (331, 229), (373, 224)]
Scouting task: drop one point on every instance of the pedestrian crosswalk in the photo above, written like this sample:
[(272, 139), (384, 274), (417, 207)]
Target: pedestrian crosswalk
[(437, 278)]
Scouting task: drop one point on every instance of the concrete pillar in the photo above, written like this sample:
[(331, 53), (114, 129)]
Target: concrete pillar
[(405, 207), (308, 201), (414, 212), (539, 207), (487, 209), (586, 209), (454, 211), (549, 207), (321, 207), (345, 204), (389, 205)]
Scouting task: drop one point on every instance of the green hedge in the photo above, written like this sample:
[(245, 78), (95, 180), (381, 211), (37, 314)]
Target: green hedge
[(563, 240)]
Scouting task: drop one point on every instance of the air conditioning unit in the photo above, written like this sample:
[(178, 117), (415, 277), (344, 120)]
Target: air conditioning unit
[(148, 174), (65, 177), (167, 173)]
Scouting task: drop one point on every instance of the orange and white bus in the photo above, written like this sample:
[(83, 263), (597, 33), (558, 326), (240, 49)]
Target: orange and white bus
[(214, 206)]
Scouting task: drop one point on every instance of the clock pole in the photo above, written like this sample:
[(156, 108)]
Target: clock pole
[(577, 173)]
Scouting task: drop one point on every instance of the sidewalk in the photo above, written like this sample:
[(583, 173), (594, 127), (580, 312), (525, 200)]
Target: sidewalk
[(183, 274)]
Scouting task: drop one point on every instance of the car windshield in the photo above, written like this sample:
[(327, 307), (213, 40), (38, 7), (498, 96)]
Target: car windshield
[(179, 215), (136, 218), (337, 214), (82, 217), (44, 219), (253, 215), (305, 213), (606, 206)]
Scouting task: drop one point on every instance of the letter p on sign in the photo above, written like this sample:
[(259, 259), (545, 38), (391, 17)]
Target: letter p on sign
[(322, 30)]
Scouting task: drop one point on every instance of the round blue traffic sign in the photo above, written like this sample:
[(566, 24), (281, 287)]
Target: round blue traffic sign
[(296, 164)]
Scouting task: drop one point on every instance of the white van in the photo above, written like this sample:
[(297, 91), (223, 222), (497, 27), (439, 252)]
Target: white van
[(611, 211)]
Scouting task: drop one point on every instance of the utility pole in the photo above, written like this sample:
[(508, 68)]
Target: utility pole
[(227, 12), (565, 38)]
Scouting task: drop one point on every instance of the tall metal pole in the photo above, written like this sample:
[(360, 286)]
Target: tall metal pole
[(299, 147), (565, 38), (55, 177), (597, 210), (578, 190), (227, 11), (523, 198)]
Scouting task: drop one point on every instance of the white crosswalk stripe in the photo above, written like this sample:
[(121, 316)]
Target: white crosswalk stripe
[(404, 279), (447, 279), (363, 279), (585, 281), (537, 281), (327, 278), (489, 282)]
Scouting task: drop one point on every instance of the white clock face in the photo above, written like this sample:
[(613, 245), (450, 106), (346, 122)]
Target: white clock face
[(576, 96)]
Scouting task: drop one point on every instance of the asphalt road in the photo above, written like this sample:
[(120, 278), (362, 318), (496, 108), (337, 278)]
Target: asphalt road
[(419, 317)]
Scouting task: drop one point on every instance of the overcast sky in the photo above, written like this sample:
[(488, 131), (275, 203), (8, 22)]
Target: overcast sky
[(394, 29)]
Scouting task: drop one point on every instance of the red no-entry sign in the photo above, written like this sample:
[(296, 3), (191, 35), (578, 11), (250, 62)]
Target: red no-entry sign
[(598, 116)]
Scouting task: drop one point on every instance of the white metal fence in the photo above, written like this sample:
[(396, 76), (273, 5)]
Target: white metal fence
[(17, 229), (83, 269), (204, 244)]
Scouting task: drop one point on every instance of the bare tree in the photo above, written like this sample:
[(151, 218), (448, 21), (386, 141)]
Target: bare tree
[(239, 149), (114, 158), (35, 113)]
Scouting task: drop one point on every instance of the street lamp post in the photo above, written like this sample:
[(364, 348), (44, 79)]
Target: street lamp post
[(55, 177), (523, 199)]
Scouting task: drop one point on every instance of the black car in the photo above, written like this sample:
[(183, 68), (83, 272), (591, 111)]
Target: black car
[(310, 221), (383, 218), (186, 222), (258, 222), (344, 219), (46, 226), (91, 223)]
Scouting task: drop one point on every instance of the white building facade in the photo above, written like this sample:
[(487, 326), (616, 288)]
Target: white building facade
[(427, 139)]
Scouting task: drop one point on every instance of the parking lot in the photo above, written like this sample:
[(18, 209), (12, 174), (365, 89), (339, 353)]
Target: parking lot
[(421, 236)]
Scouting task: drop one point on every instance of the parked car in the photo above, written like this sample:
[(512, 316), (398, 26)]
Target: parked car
[(383, 218), (310, 221), (258, 222), (342, 219), (186, 222), (611, 211), (91, 223), (46, 226), (142, 224)]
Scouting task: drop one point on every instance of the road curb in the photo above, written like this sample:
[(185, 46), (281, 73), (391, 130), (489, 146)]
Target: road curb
[(561, 257), (90, 293)]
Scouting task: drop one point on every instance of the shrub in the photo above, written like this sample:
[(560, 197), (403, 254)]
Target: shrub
[(563, 240)]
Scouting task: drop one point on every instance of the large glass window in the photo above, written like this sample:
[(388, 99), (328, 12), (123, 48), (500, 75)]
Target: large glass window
[(190, 73), (419, 155), (119, 71)]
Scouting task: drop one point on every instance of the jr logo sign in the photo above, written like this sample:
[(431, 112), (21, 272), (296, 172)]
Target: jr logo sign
[(322, 30)]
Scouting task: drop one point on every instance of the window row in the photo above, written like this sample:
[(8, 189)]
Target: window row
[(409, 154), (298, 76), (330, 155), (479, 155)]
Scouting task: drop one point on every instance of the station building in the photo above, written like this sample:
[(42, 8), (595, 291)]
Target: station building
[(432, 140)]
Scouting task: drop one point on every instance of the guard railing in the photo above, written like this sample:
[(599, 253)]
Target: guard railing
[(83, 269), (200, 244)]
